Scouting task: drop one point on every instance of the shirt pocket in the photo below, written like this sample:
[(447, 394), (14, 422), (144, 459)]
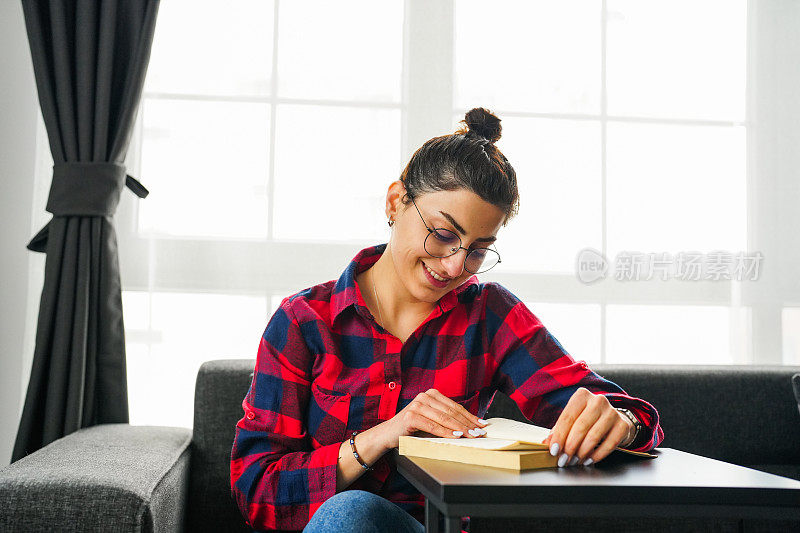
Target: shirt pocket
[(471, 403), (328, 412)]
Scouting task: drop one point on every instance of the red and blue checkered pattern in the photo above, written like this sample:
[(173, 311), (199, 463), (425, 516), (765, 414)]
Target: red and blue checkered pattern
[(325, 368)]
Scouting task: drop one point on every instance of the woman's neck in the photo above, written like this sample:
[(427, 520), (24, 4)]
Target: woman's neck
[(394, 300)]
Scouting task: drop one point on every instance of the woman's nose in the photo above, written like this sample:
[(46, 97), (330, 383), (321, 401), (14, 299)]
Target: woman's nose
[(453, 265)]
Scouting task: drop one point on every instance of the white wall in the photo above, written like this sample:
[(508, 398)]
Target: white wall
[(18, 117)]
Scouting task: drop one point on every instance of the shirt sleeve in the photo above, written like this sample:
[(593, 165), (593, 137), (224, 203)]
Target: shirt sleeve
[(535, 371), (280, 476)]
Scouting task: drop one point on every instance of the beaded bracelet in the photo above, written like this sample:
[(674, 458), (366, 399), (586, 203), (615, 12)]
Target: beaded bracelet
[(355, 453)]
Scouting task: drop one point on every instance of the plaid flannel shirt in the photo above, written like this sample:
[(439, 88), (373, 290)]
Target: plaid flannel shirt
[(325, 368)]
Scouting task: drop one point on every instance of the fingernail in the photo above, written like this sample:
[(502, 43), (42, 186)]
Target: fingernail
[(482, 421), (574, 460), (458, 433), (472, 432), (588, 461), (554, 449), (562, 460), (481, 430)]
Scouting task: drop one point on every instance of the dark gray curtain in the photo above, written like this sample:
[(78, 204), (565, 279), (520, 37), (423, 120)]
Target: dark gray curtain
[(89, 59)]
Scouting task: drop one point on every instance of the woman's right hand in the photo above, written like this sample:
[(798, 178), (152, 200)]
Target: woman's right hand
[(434, 413)]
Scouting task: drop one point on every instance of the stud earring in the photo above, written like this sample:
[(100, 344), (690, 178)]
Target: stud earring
[(390, 222)]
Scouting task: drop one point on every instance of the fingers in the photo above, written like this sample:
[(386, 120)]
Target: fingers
[(435, 413), (454, 409), (587, 431), (571, 412), (443, 424), (582, 425), (595, 436), (612, 440)]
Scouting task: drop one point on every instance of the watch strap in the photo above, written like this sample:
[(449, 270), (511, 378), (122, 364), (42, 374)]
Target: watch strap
[(637, 425)]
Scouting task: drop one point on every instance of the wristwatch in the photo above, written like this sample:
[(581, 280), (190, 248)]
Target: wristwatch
[(636, 425)]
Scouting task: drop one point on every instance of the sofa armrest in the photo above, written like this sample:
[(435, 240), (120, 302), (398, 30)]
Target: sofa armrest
[(100, 478)]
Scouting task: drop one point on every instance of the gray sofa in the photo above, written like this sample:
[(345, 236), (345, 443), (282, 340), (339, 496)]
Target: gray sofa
[(118, 477)]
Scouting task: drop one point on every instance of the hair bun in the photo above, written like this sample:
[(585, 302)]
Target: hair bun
[(484, 123)]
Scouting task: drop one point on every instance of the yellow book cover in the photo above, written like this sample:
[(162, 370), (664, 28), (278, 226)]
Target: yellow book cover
[(497, 453)]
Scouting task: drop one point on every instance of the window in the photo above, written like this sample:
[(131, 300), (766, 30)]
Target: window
[(620, 143)]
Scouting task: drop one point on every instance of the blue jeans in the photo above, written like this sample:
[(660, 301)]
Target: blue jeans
[(359, 511)]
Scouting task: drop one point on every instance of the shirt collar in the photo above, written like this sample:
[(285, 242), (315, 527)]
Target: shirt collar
[(347, 292)]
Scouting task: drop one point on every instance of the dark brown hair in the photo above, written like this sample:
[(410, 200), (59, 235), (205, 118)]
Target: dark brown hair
[(466, 159)]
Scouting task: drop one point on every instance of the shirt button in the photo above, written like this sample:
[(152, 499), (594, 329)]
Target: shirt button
[(392, 385), (250, 415)]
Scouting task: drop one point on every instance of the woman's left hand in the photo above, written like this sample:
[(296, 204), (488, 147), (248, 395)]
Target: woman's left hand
[(588, 429)]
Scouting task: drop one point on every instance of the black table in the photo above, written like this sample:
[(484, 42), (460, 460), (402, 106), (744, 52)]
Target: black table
[(676, 484)]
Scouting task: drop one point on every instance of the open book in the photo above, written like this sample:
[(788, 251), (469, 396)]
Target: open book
[(507, 444)]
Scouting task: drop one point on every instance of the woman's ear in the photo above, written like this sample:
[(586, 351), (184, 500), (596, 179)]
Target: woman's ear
[(394, 197)]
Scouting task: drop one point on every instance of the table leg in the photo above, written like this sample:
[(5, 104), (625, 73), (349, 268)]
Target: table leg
[(432, 515)]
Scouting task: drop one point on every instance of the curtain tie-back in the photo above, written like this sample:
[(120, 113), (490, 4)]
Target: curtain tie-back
[(85, 189), (89, 188)]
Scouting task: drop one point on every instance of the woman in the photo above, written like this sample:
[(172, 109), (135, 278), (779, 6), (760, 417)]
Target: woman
[(408, 340)]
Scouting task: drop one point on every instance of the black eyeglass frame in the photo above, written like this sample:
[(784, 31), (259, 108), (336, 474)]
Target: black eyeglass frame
[(469, 251)]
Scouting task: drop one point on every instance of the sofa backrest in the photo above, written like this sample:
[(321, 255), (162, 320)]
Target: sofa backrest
[(740, 414), (743, 415)]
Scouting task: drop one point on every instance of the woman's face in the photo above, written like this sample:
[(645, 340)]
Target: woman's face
[(472, 218)]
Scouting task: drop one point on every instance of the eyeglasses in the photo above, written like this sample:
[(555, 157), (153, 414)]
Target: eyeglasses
[(441, 242)]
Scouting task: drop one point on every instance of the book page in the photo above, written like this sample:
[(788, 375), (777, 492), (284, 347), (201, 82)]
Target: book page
[(484, 443), (503, 428)]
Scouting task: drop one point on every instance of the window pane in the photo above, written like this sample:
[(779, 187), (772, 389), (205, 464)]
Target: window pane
[(791, 335), (575, 326), (675, 188), (682, 59), (186, 330), (346, 50), (528, 56), (667, 334), (205, 164), (136, 310), (333, 166), (560, 194), (212, 47)]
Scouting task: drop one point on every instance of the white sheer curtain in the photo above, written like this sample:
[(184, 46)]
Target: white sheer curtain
[(269, 132)]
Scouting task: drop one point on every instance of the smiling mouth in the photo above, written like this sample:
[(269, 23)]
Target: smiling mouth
[(437, 274)]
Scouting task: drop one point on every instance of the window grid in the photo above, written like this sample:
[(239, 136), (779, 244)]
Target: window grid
[(530, 280)]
